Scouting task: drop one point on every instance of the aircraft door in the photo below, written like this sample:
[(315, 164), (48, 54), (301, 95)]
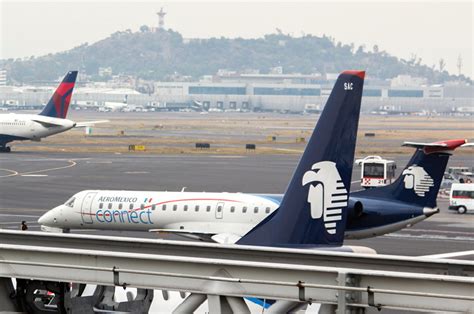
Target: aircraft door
[(219, 210), (86, 208)]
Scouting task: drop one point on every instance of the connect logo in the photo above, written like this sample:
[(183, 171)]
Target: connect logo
[(417, 179), (327, 194)]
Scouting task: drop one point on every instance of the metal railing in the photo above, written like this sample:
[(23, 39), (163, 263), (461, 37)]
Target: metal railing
[(351, 280)]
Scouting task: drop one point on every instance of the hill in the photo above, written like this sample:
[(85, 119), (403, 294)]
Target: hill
[(158, 55)]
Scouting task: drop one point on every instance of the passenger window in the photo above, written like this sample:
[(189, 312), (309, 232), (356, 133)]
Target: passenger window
[(101, 205), (185, 208), (267, 210), (232, 209), (244, 209), (219, 208), (120, 206), (163, 207), (196, 208), (208, 208), (131, 206), (153, 207), (110, 206), (255, 210), (142, 206), (175, 207)]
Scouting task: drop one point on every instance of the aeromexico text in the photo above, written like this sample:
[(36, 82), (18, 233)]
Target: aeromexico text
[(134, 216), (119, 199)]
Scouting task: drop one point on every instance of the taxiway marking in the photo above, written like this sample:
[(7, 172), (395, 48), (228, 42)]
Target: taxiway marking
[(12, 173), (34, 173)]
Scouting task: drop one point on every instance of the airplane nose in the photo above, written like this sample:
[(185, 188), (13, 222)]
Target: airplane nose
[(49, 218)]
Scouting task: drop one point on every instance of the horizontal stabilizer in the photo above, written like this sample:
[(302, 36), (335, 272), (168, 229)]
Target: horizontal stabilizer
[(89, 123), (47, 124), (437, 147)]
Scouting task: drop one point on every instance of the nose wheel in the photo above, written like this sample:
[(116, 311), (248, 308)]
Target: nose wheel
[(5, 149)]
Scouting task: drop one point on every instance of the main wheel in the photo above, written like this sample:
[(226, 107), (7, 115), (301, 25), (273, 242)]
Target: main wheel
[(8, 149), (461, 209)]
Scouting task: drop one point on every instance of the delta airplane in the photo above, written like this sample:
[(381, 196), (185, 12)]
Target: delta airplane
[(226, 217), (51, 120)]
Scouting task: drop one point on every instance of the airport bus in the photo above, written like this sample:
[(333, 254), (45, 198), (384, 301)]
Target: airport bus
[(461, 197), (376, 171)]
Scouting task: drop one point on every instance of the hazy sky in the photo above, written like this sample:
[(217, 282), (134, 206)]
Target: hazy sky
[(430, 29)]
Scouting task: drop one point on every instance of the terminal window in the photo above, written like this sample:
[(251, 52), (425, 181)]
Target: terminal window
[(287, 91), (217, 90), (404, 93)]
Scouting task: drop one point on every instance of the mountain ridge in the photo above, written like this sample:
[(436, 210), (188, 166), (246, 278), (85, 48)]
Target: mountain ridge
[(159, 55)]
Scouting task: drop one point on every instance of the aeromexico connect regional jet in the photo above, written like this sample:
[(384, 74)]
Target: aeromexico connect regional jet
[(52, 120), (313, 210)]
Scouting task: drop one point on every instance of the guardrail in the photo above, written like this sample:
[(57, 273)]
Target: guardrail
[(349, 280)]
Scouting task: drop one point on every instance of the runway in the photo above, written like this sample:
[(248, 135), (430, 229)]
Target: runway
[(32, 183)]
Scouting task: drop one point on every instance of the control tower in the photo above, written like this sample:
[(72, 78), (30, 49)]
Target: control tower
[(161, 18)]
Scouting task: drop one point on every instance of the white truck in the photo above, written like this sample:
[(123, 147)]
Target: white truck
[(461, 197)]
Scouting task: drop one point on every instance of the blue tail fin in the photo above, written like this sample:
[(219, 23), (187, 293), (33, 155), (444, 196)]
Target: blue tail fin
[(59, 103), (313, 209), (421, 179)]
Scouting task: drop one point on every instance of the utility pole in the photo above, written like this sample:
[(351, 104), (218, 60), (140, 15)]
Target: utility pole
[(459, 64)]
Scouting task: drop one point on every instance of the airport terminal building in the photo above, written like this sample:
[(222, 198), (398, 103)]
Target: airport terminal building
[(266, 92)]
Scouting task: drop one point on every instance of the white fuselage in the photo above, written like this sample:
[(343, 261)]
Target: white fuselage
[(31, 126), (230, 213)]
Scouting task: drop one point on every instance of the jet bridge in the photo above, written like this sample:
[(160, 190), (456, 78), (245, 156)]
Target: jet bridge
[(223, 275)]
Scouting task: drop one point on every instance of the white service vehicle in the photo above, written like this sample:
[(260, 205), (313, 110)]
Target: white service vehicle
[(461, 197), (376, 171)]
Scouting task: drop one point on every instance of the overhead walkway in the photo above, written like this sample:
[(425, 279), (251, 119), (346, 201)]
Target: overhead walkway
[(225, 274)]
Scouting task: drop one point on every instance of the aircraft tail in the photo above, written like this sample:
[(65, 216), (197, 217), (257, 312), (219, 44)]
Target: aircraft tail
[(58, 105), (421, 179), (314, 207)]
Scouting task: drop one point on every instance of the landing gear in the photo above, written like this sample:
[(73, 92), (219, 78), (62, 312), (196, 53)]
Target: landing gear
[(5, 149)]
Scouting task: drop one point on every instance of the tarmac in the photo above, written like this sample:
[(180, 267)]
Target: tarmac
[(32, 183)]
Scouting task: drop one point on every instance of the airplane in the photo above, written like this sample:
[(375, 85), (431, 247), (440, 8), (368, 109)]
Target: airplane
[(231, 215), (51, 120), (226, 217)]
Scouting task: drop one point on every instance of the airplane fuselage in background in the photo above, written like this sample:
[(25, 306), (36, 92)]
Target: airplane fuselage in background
[(30, 127), (225, 214)]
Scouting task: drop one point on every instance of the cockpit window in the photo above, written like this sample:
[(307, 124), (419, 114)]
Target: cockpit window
[(70, 202)]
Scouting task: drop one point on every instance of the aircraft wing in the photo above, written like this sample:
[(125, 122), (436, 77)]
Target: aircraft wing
[(89, 123), (196, 235), (224, 238), (47, 124)]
